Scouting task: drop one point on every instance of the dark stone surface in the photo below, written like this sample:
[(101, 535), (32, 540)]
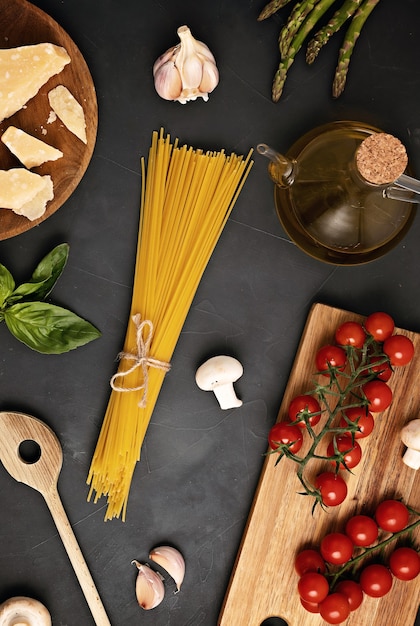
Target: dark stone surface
[(199, 466)]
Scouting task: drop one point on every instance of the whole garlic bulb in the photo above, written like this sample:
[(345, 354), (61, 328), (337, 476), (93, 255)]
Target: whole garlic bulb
[(186, 71)]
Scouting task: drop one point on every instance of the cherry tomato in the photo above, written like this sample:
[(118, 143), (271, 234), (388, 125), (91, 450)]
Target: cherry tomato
[(332, 487), (330, 356), (362, 530), (382, 370), (352, 591), (336, 548), (311, 607), (392, 515), (404, 563), (351, 451), (378, 395), (286, 434), (335, 609), (309, 561), (350, 334), (303, 406), (376, 580), (363, 419), (313, 587), (399, 349), (379, 325)]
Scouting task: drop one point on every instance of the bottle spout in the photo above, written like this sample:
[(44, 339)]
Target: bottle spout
[(281, 169)]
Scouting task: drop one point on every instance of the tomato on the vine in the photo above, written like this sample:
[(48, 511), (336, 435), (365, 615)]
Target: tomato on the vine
[(363, 419), (378, 395), (399, 349), (349, 449), (404, 563), (380, 368), (380, 325), (332, 487), (362, 530), (304, 406), (336, 548), (376, 580), (309, 560), (392, 515), (335, 609), (285, 434), (313, 587), (350, 334), (352, 591), (330, 356)]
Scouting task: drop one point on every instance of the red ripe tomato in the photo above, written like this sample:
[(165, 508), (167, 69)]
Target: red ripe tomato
[(392, 515), (362, 530), (378, 395), (311, 607), (335, 609), (350, 334), (313, 587), (376, 580), (351, 451), (379, 325), (303, 407), (330, 356), (336, 548), (363, 419), (382, 370), (309, 561), (404, 563), (282, 434), (352, 591), (332, 487), (399, 349)]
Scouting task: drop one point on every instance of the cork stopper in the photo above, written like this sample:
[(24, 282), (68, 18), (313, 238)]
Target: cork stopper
[(381, 158)]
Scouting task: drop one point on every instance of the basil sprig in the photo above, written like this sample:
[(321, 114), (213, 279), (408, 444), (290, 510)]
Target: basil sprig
[(42, 326)]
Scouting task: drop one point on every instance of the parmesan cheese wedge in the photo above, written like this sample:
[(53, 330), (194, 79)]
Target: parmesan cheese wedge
[(26, 193), (69, 110), (24, 70), (28, 149)]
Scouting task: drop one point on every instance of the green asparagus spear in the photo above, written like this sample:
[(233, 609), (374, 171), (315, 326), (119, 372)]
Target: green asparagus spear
[(296, 18), (271, 8), (347, 48), (336, 22), (295, 46)]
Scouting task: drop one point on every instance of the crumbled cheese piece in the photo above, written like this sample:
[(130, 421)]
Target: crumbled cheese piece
[(26, 193), (68, 109), (30, 151), (24, 70)]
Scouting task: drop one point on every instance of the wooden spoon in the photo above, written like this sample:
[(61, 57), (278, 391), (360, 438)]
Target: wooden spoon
[(42, 474)]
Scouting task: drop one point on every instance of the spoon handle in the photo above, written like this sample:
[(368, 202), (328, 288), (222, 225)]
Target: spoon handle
[(75, 555)]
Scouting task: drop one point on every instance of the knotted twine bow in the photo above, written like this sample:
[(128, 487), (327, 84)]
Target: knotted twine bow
[(141, 359)]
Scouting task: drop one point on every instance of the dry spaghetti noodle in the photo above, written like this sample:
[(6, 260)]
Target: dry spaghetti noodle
[(186, 198)]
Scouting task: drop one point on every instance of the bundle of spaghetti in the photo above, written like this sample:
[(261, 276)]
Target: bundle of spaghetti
[(187, 196)]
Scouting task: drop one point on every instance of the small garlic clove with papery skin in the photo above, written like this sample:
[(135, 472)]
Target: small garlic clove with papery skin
[(172, 561), (210, 76), (149, 587), (168, 82)]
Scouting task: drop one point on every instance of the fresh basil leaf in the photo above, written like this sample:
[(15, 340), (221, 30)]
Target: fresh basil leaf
[(45, 276), (48, 328), (7, 284)]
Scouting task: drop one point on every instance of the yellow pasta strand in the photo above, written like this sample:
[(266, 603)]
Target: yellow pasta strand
[(187, 196)]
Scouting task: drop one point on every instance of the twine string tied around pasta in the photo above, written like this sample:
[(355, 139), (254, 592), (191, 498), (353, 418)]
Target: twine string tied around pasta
[(141, 359)]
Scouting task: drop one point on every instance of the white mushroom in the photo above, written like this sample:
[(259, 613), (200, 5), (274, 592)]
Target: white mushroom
[(410, 436), (218, 374), (22, 611)]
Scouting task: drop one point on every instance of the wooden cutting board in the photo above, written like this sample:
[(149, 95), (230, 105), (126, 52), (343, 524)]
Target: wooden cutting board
[(263, 582)]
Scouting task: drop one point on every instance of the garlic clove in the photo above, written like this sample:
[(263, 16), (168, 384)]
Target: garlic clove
[(209, 78), (172, 561), (149, 586), (169, 55), (168, 82)]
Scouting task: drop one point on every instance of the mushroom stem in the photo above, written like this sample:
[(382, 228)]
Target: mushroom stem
[(226, 396), (410, 436)]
